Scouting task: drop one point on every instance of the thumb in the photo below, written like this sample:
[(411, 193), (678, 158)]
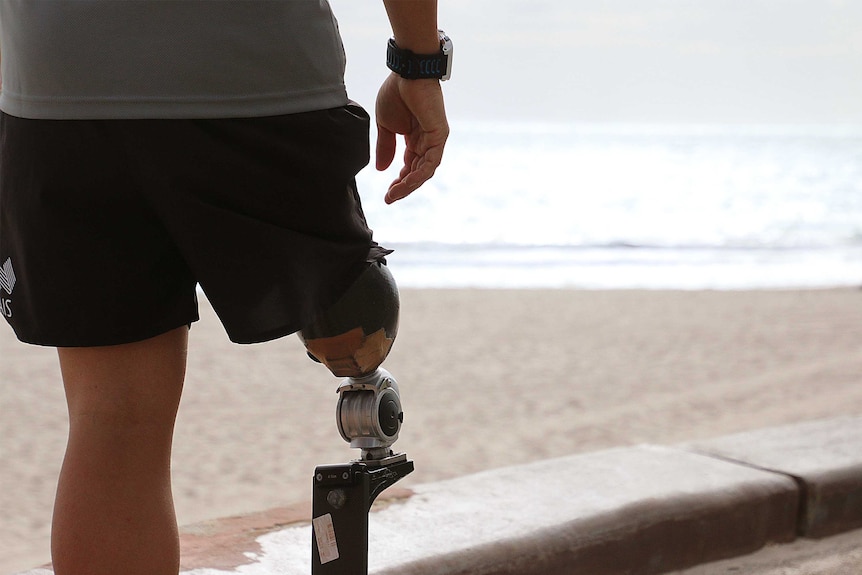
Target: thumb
[(385, 151)]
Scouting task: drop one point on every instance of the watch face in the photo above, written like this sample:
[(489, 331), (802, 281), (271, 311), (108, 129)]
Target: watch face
[(446, 48)]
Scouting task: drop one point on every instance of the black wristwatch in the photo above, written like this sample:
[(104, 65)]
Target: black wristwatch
[(415, 66)]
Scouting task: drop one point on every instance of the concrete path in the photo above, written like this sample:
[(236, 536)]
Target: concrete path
[(837, 555)]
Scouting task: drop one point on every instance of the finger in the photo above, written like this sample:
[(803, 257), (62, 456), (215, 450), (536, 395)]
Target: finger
[(411, 179), (410, 161), (422, 168), (399, 189), (423, 172)]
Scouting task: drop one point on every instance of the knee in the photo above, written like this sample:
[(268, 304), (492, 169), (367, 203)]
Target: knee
[(128, 385), (355, 335)]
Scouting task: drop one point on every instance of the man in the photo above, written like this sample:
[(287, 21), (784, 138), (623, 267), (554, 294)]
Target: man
[(148, 147)]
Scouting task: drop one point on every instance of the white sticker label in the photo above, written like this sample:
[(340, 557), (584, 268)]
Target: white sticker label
[(324, 532)]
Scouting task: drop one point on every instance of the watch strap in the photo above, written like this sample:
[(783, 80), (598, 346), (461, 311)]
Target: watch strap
[(414, 66)]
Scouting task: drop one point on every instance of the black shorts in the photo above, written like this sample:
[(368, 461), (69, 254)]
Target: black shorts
[(107, 226)]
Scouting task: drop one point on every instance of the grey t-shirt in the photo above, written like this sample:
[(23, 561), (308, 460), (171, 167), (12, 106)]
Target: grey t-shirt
[(80, 59)]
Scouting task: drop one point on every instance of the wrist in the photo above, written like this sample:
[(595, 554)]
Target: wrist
[(424, 44)]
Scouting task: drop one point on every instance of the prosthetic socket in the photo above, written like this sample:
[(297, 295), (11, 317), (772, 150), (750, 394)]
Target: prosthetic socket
[(352, 339)]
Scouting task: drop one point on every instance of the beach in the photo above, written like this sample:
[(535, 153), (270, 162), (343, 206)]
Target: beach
[(488, 378)]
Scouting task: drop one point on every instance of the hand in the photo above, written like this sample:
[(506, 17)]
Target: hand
[(415, 109)]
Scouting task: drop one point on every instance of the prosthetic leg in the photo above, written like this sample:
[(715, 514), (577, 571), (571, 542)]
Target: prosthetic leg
[(352, 340)]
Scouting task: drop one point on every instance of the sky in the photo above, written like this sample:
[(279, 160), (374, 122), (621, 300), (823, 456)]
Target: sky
[(634, 61)]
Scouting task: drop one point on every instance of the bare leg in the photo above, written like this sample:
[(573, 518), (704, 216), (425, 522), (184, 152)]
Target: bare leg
[(114, 511)]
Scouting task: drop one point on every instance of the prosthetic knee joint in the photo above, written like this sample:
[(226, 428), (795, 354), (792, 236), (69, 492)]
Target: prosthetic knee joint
[(352, 339)]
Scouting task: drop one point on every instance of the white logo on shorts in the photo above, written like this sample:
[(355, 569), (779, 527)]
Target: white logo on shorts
[(7, 277)]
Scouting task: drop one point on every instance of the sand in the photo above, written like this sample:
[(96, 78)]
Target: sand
[(488, 378)]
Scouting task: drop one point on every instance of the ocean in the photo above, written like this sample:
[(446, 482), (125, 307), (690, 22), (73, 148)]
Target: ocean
[(532, 205)]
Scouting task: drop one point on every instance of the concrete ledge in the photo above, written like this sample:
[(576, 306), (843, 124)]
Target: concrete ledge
[(825, 458), (636, 510), (640, 510)]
